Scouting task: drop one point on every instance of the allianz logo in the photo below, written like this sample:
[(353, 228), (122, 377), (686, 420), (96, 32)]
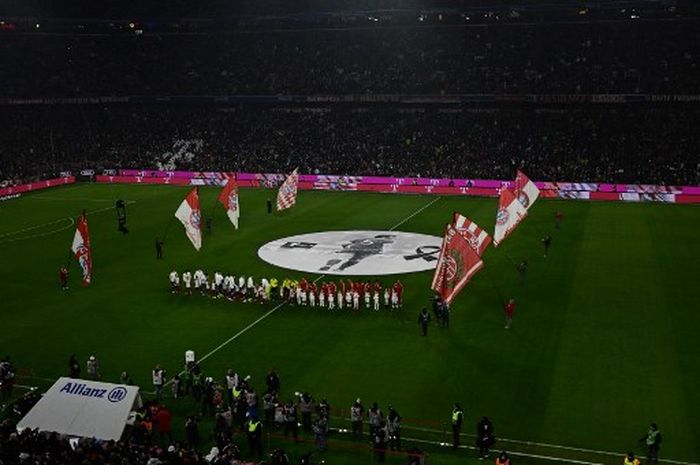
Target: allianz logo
[(81, 389)]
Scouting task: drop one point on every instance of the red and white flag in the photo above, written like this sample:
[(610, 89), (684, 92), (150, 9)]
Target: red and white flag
[(229, 199), (510, 213), (477, 237), (457, 264), (81, 249), (190, 215), (525, 190), (287, 195)]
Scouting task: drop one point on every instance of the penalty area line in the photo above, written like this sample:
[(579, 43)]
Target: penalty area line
[(67, 218)]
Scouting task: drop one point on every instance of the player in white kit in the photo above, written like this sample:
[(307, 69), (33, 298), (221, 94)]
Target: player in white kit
[(355, 300), (340, 300), (174, 281), (187, 280)]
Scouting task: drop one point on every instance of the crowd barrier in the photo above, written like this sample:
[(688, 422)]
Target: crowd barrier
[(398, 185), (35, 186)]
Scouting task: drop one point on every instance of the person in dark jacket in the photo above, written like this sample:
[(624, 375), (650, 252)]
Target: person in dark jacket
[(484, 436), (273, 382), (424, 319)]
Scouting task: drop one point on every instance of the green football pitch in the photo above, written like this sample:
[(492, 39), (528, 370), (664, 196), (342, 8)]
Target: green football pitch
[(604, 339)]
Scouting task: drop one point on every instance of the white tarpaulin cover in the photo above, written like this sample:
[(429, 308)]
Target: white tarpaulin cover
[(77, 407)]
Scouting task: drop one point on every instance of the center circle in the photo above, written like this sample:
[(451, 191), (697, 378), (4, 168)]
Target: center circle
[(354, 253)]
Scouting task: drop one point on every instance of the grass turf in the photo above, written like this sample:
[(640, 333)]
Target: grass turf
[(603, 340)]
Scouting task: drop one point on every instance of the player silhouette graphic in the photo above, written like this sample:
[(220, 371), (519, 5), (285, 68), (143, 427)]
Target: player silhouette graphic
[(360, 249)]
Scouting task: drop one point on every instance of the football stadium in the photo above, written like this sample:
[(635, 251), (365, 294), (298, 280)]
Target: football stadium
[(405, 232)]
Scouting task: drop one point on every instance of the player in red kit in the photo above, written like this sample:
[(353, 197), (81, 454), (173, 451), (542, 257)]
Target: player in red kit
[(398, 288), (509, 309), (63, 276), (557, 218)]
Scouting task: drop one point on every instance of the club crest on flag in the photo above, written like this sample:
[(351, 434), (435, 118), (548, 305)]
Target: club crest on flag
[(195, 219), (81, 249), (457, 264), (502, 216), (233, 201), (525, 190), (524, 199), (190, 215), (451, 268), (82, 255)]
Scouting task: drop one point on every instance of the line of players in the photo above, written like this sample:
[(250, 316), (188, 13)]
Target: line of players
[(345, 294)]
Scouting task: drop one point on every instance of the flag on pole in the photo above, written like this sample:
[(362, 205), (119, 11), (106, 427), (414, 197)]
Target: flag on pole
[(190, 215), (229, 199), (287, 195), (510, 213), (525, 190), (478, 238), (81, 249), (457, 264)]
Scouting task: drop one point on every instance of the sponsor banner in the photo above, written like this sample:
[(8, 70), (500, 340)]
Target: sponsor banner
[(141, 180), (356, 253), (471, 187), (35, 186), (82, 408), (87, 172), (65, 174)]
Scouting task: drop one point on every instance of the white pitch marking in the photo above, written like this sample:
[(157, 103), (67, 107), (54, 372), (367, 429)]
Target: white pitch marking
[(549, 446), (414, 214), (235, 336), (519, 454), (70, 218)]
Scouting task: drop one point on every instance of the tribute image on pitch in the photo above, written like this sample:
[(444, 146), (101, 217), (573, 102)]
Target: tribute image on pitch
[(358, 253)]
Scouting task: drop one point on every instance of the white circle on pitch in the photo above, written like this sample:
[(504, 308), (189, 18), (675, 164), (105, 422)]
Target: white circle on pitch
[(357, 253)]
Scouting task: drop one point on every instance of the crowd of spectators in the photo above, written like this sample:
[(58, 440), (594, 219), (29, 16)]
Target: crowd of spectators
[(658, 57), (624, 143), (217, 415)]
